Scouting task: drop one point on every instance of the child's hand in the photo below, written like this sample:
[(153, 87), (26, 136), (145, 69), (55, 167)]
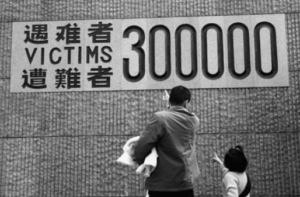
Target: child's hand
[(216, 159), (166, 96)]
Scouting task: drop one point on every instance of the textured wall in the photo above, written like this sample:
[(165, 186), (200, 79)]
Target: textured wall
[(65, 144)]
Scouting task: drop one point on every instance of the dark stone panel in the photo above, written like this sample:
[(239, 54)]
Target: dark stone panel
[(65, 144), (5, 49), (14, 10), (240, 111), (67, 166), (77, 113), (85, 166)]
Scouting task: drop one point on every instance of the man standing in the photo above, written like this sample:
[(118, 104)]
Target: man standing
[(172, 132)]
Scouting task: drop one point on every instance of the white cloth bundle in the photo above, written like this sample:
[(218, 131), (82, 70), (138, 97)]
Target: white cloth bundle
[(150, 161)]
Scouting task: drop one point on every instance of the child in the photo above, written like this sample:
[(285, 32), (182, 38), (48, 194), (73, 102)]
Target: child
[(236, 182)]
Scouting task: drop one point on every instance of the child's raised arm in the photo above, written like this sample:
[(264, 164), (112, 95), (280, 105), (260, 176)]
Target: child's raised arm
[(218, 160)]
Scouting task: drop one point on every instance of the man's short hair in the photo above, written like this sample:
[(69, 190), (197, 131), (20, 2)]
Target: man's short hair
[(179, 94)]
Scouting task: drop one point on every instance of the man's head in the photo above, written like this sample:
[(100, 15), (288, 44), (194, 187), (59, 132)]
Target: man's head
[(180, 96)]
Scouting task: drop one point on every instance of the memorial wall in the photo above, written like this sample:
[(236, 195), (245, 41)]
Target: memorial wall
[(79, 78)]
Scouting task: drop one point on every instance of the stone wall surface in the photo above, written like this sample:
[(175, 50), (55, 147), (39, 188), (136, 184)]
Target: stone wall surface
[(66, 144)]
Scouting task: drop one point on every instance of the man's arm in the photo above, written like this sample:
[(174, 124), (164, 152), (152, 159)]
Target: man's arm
[(148, 139)]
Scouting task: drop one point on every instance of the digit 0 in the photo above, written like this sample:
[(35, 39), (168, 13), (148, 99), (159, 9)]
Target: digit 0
[(167, 72)]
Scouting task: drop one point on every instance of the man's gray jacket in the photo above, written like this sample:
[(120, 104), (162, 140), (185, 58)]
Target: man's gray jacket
[(172, 132)]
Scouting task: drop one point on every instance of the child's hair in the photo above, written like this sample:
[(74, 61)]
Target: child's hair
[(235, 159)]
